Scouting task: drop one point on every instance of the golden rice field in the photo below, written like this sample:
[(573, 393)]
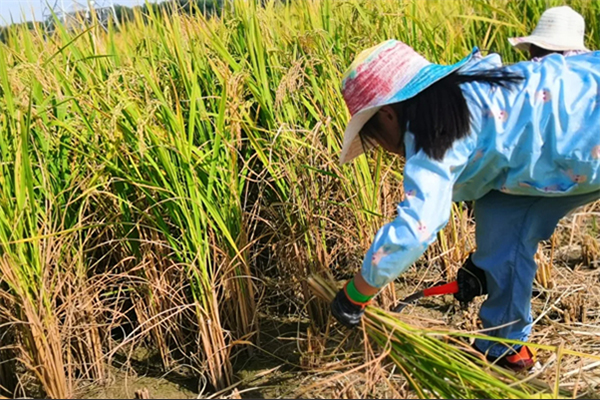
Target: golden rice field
[(168, 186)]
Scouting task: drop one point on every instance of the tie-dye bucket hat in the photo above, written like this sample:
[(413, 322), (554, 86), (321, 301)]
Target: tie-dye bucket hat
[(385, 74)]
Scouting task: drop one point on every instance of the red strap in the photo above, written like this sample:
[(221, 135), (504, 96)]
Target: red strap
[(448, 288)]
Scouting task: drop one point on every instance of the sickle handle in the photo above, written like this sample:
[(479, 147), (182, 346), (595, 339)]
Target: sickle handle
[(448, 288)]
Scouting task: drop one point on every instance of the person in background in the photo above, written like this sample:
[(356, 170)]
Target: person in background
[(509, 137), (559, 30)]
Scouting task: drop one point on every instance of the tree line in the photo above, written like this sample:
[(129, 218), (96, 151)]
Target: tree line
[(123, 14)]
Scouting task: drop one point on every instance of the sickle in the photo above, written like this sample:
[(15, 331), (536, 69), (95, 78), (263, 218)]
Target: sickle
[(448, 288)]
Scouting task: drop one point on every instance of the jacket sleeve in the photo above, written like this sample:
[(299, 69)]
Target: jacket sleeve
[(428, 186)]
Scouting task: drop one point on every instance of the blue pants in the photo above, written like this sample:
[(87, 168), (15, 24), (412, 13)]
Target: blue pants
[(508, 231)]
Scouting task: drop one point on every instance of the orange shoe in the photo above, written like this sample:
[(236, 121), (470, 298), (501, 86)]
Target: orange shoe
[(524, 360)]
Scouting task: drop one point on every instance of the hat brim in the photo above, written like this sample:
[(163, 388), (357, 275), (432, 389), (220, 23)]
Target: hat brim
[(353, 145), (523, 43)]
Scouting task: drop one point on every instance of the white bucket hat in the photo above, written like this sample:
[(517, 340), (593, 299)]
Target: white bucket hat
[(559, 29)]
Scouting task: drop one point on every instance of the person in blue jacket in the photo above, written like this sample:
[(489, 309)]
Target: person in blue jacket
[(522, 141)]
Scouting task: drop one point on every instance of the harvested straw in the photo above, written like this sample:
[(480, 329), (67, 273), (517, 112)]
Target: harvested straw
[(438, 365)]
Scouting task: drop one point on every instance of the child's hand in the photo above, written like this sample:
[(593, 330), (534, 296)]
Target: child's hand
[(345, 311), (471, 282)]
